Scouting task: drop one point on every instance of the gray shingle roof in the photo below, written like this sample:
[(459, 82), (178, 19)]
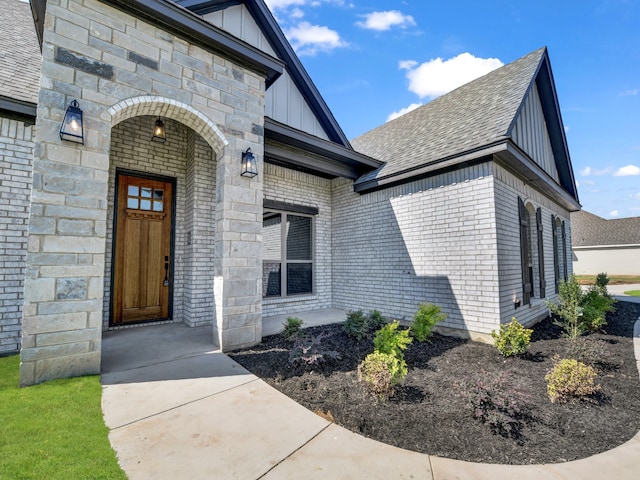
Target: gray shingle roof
[(19, 53), (591, 230), (473, 116)]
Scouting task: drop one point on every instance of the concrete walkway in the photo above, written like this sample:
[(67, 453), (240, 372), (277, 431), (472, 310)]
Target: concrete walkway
[(178, 409)]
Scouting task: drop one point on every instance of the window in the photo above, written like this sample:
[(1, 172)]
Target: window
[(539, 228), (555, 225), (525, 253), (287, 267)]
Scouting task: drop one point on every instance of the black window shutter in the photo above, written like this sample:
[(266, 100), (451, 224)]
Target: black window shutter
[(543, 282), (523, 214), (564, 252), (556, 262)]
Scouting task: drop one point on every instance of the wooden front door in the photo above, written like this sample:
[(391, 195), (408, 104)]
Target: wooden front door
[(142, 260)]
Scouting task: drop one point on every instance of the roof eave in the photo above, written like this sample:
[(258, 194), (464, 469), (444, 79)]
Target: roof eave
[(26, 111), (331, 159), (471, 156), (517, 161)]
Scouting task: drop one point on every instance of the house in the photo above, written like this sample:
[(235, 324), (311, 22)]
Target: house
[(601, 245), (464, 202)]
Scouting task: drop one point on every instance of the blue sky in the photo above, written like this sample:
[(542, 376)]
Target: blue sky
[(371, 59)]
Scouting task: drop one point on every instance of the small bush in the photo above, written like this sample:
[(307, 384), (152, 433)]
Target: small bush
[(375, 320), (292, 327), (380, 372), (512, 339), (310, 351), (496, 403), (359, 325), (391, 340), (602, 280), (569, 379), (424, 320), (595, 306), (569, 310)]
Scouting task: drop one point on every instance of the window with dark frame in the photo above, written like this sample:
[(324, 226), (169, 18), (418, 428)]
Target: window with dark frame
[(287, 267)]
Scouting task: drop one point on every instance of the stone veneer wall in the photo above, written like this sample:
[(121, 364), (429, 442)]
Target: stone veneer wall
[(431, 240), (507, 190), (118, 66), (186, 157), (303, 189), (16, 158)]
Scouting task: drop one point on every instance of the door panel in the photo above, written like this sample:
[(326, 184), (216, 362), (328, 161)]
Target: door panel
[(142, 250)]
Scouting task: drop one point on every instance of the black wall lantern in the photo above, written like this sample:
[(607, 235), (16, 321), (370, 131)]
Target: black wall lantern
[(72, 128), (248, 168), (159, 134)]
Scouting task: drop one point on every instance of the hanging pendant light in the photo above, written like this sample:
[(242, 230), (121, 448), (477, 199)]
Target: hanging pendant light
[(159, 134)]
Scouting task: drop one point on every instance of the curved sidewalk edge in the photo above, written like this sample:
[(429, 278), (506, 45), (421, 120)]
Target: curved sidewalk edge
[(208, 416)]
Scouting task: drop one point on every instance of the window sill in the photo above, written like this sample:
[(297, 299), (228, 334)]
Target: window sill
[(293, 299)]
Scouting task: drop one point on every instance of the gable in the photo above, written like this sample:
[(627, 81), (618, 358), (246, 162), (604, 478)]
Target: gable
[(293, 99), (531, 135)]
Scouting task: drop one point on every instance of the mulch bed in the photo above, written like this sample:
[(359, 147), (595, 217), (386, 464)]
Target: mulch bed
[(430, 413)]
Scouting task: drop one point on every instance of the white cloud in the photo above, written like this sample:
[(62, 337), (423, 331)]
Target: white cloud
[(296, 13), (407, 64), (437, 77), (637, 195), (567, 128), (402, 111), (631, 92), (382, 21), (627, 171), (280, 4), (614, 213), (588, 171), (309, 39)]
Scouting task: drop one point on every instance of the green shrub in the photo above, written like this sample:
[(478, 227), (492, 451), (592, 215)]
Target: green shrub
[(512, 339), (602, 280), (424, 320), (391, 341), (580, 312), (498, 404), (569, 379), (381, 372), (356, 324), (359, 325), (292, 327), (375, 320), (569, 310), (595, 306)]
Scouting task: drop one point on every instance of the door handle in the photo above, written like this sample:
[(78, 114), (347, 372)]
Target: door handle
[(166, 271)]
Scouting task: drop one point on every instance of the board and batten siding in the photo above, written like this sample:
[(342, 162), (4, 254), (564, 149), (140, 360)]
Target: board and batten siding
[(530, 133), (283, 101)]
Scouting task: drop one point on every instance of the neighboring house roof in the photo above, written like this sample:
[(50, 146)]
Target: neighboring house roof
[(20, 59), (589, 230), (469, 123)]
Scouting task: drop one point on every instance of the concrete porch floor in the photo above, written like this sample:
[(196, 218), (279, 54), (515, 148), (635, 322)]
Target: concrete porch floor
[(177, 408)]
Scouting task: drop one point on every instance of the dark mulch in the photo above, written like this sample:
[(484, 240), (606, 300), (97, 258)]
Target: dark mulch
[(430, 412)]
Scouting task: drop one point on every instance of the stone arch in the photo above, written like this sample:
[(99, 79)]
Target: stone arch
[(168, 108)]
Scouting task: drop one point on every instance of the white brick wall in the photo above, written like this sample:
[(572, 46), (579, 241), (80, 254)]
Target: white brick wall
[(16, 158), (299, 188), (507, 190), (432, 240)]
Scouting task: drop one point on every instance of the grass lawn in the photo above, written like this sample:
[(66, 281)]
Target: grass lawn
[(613, 279), (54, 430), (633, 293)]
